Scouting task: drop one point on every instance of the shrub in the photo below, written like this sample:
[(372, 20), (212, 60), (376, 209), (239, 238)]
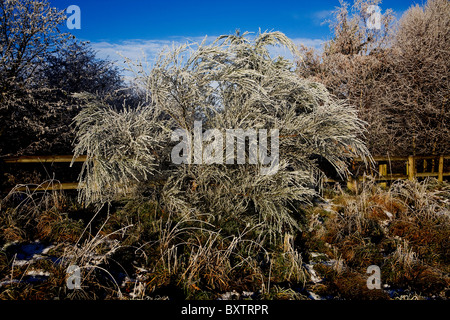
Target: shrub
[(231, 83)]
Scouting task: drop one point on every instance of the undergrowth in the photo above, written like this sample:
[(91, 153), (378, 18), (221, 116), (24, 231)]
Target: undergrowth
[(133, 249), (403, 229)]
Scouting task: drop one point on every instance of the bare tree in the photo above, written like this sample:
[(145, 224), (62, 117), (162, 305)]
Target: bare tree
[(352, 33), (396, 76), (421, 76), (29, 33), (39, 69), (75, 68)]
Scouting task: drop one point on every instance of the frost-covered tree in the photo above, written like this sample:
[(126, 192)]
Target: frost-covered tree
[(233, 83), (420, 81), (396, 76), (39, 69), (29, 33), (76, 68)]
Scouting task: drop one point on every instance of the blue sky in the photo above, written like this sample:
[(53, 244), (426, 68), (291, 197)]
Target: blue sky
[(135, 26)]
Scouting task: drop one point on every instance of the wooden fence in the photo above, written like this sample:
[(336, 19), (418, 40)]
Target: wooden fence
[(383, 175)]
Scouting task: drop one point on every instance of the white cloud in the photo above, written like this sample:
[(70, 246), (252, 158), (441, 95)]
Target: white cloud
[(148, 50), (313, 43), (320, 17), (137, 49), (132, 49)]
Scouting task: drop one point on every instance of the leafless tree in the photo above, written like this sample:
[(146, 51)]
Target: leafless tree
[(29, 33), (421, 76), (75, 68), (39, 69), (397, 77)]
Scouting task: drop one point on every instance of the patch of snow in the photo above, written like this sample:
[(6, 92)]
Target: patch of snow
[(8, 282), (38, 273), (234, 295), (47, 249), (28, 253), (21, 263), (313, 296), (247, 294), (8, 244), (314, 277)]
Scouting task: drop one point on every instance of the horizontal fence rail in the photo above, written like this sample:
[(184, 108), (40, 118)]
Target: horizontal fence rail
[(381, 176), (47, 186), (44, 159)]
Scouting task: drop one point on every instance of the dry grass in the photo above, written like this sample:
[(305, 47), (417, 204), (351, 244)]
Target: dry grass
[(403, 229), (136, 250), (136, 240)]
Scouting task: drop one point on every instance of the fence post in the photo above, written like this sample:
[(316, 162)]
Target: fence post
[(411, 168), (441, 169), (382, 170)]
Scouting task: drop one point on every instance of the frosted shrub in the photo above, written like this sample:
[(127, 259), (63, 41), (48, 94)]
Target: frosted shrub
[(233, 83)]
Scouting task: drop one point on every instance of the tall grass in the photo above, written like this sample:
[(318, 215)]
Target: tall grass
[(403, 229)]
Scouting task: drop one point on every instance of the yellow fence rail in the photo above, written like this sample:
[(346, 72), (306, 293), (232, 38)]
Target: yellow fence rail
[(382, 175), (43, 159)]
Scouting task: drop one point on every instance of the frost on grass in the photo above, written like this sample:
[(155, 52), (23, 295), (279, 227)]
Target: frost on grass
[(233, 83)]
